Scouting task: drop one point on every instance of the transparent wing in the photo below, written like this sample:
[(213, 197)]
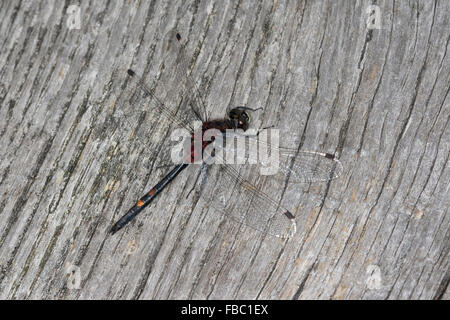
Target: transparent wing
[(239, 196), (142, 122), (252, 193), (176, 46), (147, 111), (139, 102), (284, 164)]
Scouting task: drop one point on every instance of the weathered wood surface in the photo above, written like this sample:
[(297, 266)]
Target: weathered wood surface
[(377, 97)]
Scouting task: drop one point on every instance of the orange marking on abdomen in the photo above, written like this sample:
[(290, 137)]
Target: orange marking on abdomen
[(140, 203), (151, 192)]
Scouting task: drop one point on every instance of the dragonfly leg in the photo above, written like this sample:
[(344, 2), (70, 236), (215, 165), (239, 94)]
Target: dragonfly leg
[(265, 128)]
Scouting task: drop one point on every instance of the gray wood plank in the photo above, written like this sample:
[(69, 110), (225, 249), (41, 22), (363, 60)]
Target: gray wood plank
[(377, 97)]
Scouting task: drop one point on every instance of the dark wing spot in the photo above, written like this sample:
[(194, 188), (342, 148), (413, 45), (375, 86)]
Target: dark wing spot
[(289, 215)]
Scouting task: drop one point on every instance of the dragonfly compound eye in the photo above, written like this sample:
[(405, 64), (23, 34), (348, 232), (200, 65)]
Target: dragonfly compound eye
[(245, 117)]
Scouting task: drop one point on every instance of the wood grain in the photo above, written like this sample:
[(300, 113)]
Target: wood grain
[(379, 98)]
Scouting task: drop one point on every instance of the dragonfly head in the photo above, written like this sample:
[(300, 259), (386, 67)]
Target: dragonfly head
[(240, 117)]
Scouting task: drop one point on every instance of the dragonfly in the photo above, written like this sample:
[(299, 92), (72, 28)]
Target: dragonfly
[(231, 189)]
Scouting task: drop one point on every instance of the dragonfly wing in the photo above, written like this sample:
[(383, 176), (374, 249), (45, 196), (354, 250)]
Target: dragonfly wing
[(286, 164), (309, 166), (176, 47), (137, 100), (145, 122), (171, 95), (237, 197)]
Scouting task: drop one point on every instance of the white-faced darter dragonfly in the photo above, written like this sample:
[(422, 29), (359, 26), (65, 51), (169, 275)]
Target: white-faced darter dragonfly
[(230, 190)]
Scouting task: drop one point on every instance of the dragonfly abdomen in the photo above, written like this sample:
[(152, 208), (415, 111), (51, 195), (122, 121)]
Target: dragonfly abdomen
[(145, 200)]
